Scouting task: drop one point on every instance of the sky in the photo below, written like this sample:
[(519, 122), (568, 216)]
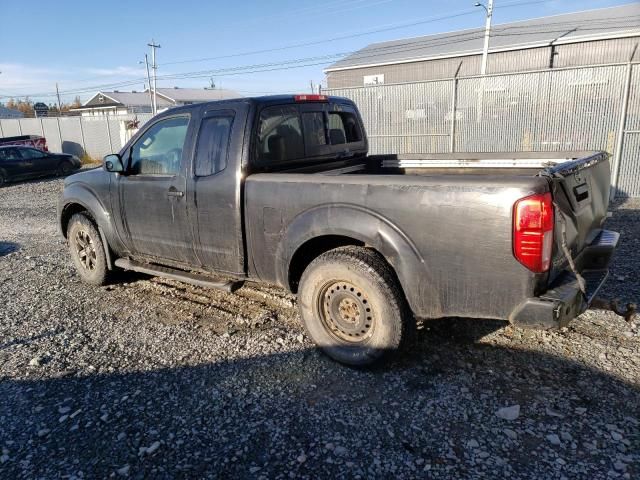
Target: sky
[(86, 46)]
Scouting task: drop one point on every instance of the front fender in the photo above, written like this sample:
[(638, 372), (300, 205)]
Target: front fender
[(373, 230), (85, 196)]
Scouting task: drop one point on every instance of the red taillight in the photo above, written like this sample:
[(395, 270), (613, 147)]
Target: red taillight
[(533, 231), (310, 98)]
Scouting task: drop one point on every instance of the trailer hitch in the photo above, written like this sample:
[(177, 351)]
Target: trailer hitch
[(628, 312)]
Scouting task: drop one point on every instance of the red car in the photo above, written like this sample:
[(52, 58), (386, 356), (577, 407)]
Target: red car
[(35, 141)]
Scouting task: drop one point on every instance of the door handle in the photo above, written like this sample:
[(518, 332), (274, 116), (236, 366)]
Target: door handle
[(174, 193)]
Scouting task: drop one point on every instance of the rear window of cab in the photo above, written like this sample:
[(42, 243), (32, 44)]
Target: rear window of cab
[(290, 133)]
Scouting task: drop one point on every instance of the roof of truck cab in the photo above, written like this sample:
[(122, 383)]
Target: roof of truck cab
[(255, 101)]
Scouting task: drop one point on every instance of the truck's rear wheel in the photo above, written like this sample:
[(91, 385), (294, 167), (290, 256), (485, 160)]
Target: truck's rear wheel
[(87, 251), (352, 306)]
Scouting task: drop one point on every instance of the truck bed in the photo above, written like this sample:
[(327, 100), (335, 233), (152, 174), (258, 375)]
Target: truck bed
[(453, 222)]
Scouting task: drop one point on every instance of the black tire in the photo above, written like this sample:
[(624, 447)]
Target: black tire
[(2, 179), (352, 306), (65, 168), (87, 250)]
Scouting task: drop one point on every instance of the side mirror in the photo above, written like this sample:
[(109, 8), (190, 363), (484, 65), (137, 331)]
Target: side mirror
[(113, 163)]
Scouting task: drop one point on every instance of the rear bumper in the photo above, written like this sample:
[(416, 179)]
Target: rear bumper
[(564, 301)]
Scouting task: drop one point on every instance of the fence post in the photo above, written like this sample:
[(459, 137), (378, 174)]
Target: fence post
[(1, 131), (615, 167), (19, 127), (109, 134), (59, 133), (84, 145), (42, 126), (454, 105)]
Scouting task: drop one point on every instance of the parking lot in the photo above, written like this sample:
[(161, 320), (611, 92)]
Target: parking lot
[(150, 378)]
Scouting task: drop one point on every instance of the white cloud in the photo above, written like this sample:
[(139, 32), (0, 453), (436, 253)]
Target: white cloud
[(19, 80), (117, 71), (20, 76)]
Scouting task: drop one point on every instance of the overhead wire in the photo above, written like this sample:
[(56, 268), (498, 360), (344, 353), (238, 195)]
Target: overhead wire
[(369, 52)]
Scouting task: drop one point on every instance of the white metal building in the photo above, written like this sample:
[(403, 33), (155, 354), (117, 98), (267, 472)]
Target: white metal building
[(593, 37)]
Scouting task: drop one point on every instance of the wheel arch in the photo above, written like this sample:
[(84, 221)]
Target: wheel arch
[(326, 227), (79, 199), (68, 211)]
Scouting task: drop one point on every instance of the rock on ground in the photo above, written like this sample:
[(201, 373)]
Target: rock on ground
[(208, 384)]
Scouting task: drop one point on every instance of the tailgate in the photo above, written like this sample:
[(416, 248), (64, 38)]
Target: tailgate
[(580, 191)]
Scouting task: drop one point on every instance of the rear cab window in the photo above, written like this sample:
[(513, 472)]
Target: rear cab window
[(306, 132)]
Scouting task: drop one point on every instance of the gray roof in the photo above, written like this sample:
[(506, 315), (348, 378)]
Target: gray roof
[(167, 97), (135, 98), (567, 28), (10, 113), (129, 99), (197, 94)]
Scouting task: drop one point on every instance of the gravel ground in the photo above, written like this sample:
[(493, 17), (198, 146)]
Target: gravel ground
[(149, 378)]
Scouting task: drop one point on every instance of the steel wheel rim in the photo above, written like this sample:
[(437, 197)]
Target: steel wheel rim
[(346, 312), (85, 250)]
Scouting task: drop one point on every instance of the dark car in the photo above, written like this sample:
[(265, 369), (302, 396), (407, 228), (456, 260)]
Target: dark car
[(282, 190), (20, 163)]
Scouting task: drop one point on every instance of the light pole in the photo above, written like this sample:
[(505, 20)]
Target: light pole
[(487, 30)]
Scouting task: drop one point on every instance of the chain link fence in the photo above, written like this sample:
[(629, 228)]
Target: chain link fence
[(586, 108)]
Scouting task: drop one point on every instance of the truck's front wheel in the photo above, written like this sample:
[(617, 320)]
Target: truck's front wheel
[(87, 251), (352, 306)]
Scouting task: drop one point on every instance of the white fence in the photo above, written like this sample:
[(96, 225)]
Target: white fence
[(586, 108), (94, 136)]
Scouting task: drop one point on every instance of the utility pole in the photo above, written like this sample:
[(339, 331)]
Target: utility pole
[(154, 66), (485, 54), (146, 63), (487, 31), (312, 87), (59, 104)]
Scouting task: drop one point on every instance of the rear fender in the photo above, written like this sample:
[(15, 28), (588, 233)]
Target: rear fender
[(374, 231)]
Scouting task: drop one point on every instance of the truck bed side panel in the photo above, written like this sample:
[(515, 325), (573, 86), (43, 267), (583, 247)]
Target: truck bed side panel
[(457, 230)]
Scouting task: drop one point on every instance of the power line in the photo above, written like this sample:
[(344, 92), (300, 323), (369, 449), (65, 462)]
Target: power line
[(368, 53), (327, 8), (395, 45), (326, 40), (386, 28), (395, 48)]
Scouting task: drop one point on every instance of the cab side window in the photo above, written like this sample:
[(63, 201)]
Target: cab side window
[(159, 150), (213, 145)]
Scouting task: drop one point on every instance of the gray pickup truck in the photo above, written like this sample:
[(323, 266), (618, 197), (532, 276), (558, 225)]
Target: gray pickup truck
[(282, 190)]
